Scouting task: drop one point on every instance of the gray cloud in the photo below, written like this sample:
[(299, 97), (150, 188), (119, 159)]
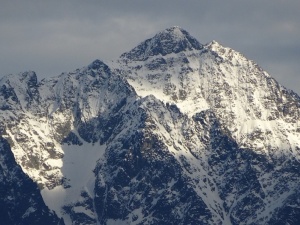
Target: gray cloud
[(51, 37)]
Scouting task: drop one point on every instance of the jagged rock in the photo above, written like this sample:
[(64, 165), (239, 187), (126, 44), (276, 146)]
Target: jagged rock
[(20, 201)]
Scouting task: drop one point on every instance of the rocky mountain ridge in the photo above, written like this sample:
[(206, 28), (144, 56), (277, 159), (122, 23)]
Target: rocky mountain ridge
[(173, 132)]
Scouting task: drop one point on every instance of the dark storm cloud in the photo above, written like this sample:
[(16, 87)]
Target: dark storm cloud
[(55, 36)]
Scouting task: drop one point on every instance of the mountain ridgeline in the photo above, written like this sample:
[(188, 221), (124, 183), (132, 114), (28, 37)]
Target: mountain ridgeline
[(172, 132)]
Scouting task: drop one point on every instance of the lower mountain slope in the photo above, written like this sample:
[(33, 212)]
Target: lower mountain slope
[(180, 170), (21, 201)]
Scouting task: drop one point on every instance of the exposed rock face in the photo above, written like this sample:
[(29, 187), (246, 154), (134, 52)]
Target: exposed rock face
[(173, 132), (21, 201)]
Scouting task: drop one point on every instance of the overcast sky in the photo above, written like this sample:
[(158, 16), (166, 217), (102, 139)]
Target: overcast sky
[(51, 37)]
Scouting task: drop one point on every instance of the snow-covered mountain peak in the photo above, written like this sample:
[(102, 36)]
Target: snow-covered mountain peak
[(171, 133), (171, 40), (221, 54), (215, 46), (175, 33), (98, 64), (213, 43), (27, 77)]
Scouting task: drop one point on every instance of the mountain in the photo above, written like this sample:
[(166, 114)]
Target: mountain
[(172, 132)]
